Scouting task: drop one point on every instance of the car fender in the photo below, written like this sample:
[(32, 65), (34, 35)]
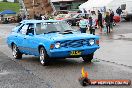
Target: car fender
[(46, 44)]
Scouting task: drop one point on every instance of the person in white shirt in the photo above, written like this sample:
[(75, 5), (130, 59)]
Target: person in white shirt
[(83, 25)]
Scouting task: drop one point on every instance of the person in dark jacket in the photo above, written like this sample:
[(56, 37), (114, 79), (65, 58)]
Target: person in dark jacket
[(111, 19), (119, 11), (40, 17), (100, 21), (107, 22)]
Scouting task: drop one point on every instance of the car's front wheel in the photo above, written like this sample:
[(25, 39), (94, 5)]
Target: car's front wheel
[(88, 58), (15, 52), (43, 56), (70, 23)]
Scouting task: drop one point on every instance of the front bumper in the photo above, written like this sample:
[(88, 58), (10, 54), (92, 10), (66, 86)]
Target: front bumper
[(65, 52)]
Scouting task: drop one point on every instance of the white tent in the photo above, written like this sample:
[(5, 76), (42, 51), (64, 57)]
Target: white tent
[(90, 4)]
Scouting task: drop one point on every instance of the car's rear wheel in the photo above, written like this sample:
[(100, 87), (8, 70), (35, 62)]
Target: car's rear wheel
[(15, 52), (88, 58), (43, 56)]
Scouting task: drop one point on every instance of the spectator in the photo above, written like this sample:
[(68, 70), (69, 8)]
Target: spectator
[(83, 25), (79, 11), (84, 11), (107, 22), (40, 17), (28, 17), (119, 11), (43, 17), (2, 18), (24, 17), (35, 17), (19, 18), (111, 19), (91, 24), (100, 21)]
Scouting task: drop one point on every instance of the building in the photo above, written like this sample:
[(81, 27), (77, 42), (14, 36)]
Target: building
[(67, 4), (10, 0)]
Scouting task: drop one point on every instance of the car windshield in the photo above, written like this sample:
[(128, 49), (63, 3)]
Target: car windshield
[(52, 27)]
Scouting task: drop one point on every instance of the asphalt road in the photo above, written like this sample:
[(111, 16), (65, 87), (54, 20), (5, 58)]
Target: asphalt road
[(112, 61)]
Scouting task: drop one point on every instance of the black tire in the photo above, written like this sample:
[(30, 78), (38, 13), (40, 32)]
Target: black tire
[(70, 23), (84, 81), (15, 52), (127, 19), (88, 58), (43, 56)]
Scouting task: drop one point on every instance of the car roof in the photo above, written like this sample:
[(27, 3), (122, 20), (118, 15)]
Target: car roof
[(39, 21)]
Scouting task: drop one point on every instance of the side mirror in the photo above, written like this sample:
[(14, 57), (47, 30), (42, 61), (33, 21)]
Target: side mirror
[(30, 34)]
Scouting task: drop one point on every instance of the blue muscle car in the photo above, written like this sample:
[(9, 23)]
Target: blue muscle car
[(51, 39)]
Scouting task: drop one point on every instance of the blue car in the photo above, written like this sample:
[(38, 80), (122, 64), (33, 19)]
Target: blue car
[(51, 39)]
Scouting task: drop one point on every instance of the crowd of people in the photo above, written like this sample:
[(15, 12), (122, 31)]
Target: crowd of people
[(104, 24)]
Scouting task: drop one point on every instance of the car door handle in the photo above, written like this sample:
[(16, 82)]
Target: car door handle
[(15, 36), (25, 38)]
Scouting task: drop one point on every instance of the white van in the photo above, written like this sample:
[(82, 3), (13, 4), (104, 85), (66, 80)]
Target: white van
[(126, 7)]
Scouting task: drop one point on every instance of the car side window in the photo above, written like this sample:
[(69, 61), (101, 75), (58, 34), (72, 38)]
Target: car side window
[(24, 29), (30, 29), (40, 28)]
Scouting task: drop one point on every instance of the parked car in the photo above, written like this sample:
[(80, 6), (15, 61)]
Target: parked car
[(64, 16), (51, 39), (60, 17), (73, 21)]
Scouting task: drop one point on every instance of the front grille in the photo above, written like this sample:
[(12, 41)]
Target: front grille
[(74, 43)]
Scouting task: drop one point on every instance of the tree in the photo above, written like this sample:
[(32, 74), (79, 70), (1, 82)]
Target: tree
[(4, 0), (15, 1)]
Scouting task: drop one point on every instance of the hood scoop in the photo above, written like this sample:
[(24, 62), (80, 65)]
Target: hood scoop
[(66, 33)]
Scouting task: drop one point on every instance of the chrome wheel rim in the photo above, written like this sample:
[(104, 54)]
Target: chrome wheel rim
[(42, 56), (14, 51)]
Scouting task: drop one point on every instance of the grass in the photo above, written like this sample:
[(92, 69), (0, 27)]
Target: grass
[(9, 6)]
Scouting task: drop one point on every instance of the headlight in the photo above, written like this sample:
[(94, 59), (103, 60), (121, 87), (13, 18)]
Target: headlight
[(91, 41), (57, 45)]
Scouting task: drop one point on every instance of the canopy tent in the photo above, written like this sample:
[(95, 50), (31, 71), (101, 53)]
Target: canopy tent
[(90, 4), (7, 12)]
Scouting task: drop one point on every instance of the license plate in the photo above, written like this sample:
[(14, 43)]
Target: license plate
[(74, 53)]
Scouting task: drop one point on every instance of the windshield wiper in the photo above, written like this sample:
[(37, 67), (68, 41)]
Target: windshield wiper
[(51, 32)]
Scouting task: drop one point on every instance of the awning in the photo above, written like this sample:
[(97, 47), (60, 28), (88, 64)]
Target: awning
[(94, 3), (7, 12)]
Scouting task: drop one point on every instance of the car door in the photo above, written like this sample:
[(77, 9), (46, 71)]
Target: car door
[(21, 38), (30, 40)]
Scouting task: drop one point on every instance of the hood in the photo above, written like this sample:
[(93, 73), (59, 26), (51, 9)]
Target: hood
[(74, 36)]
